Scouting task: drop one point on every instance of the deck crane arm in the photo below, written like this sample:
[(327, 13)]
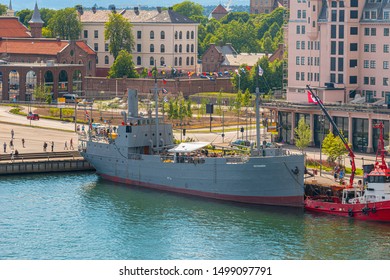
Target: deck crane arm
[(350, 152)]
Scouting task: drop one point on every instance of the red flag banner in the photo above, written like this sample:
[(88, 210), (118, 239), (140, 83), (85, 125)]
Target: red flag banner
[(310, 98), (164, 81)]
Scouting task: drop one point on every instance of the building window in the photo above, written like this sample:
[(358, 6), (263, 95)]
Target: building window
[(139, 35), (332, 77), (303, 45), (366, 63), (334, 15), (188, 35), (353, 47), (187, 61), (366, 80), (151, 61), (297, 60), (162, 35), (341, 16), (302, 76), (386, 48), (162, 48), (96, 47), (175, 61), (192, 34), (302, 60), (373, 47), (341, 31), (188, 48), (373, 31), (372, 81), (139, 61), (192, 60), (299, 14), (354, 31), (85, 33), (180, 48), (333, 32), (176, 33), (353, 79), (297, 75), (139, 48), (385, 64), (151, 48), (333, 47), (192, 48), (303, 29), (106, 60), (298, 45), (298, 29), (366, 47), (175, 48), (372, 64), (340, 78), (180, 36), (180, 61), (386, 81), (106, 47), (353, 14), (366, 31), (332, 64), (386, 14), (386, 32), (162, 61), (96, 34), (341, 48), (152, 34), (354, 3)]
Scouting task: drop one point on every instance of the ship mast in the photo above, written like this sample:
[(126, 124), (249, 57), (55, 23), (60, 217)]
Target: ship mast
[(381, 147), (350, 152)]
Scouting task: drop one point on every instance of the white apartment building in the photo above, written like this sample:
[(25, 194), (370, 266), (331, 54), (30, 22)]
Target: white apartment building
[(341, 49), (339, 44), (160, 35)]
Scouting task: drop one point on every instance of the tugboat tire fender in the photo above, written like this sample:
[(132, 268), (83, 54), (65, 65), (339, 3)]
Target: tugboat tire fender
[(350, 212)]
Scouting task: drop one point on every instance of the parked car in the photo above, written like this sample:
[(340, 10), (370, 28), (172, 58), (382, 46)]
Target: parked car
[(32, 116)]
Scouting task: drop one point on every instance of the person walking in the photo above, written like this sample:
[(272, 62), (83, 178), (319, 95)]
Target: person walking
[(11, 144), (44, 146), (5, 147), (12, 134), (52, 146), (71, 144), (66, 145), (23, 143), (12, 156)]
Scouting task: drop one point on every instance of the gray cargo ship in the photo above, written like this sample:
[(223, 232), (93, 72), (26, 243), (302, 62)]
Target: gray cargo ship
[(141, 152)]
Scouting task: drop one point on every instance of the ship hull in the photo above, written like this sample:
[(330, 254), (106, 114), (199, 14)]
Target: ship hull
[(372, 211), (261, 180)]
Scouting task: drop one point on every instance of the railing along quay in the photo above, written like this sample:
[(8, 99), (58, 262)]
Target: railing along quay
[(43, 163)]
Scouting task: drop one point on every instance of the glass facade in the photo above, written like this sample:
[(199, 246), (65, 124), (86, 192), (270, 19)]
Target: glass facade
[(284, 122), (360, 135)]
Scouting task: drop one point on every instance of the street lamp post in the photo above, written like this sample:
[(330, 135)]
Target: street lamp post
[(322, 123)]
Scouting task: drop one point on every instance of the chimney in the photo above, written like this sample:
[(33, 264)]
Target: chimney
[(159, 9), (136, 11)]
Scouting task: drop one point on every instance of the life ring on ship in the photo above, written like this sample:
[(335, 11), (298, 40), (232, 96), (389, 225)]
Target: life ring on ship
[(350, 212), (373, 210)]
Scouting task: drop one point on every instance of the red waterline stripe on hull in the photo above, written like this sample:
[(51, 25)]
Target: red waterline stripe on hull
[(293, 201)]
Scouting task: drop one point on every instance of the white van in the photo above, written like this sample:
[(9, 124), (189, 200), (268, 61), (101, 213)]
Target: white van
[(70, 97)]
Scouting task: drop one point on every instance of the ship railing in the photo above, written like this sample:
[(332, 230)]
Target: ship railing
[(182, 159), (236, 160), (134, 156)]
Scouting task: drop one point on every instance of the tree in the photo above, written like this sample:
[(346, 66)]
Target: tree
[(123, 66), (65, 24), (117, 30), (3, 9), (188, 9), (41, 93), (333, 147), (24, 16), (302, 135)]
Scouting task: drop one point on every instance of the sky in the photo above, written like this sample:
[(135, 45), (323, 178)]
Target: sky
[(18, 5)]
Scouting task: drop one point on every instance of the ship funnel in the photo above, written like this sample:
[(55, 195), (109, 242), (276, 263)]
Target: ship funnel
[(132, 103)]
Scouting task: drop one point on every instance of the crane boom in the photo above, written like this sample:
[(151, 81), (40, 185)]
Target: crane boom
[(350, 152)]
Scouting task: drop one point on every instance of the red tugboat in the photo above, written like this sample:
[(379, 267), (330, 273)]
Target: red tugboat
[(368, 203)]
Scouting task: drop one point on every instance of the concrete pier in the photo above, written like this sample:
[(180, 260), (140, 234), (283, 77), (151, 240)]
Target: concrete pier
[(44, 166)]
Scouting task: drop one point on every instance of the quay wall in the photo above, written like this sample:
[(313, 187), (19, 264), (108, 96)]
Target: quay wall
[(44, 166)]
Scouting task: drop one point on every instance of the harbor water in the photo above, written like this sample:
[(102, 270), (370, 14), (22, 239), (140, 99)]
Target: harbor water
[(78, 216)]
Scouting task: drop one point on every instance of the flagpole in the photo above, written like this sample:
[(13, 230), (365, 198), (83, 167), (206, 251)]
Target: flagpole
[(258, 109), (156, 104)]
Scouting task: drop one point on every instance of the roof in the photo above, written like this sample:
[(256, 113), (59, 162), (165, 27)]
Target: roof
[(38, 46), (141, 16), (226, 49), (219, 10), (36, 17), (188, 147), (11, 27), (243, 58)]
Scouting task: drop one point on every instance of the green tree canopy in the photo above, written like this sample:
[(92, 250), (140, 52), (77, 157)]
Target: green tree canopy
[(24, 16), (117, 30), (3, 9), (333, 147), (302, 135), (188, 9), (65, 24), (123, 66)]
